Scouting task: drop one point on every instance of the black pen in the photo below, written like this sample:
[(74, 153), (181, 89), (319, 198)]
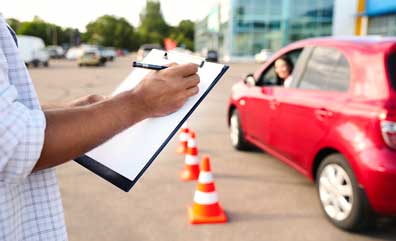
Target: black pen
[(148, 66)]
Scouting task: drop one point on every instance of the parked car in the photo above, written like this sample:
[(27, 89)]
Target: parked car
[(336, 123), (33, 50), (109, 53), (145, 49), (55, 52), (90, 58), (212, 56), (263, 56), (74, 53)]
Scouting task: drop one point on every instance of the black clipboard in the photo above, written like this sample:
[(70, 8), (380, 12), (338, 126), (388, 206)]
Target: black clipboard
[(125, 183)]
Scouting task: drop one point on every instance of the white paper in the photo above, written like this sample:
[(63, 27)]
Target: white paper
[(128, 152)]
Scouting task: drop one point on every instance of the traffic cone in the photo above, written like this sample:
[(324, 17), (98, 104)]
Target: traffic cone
[(206, 207), (191, 163), (183, 139)]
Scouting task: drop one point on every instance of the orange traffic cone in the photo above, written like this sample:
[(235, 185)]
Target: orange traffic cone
[(183, 139), (206, 207), (191, 163)]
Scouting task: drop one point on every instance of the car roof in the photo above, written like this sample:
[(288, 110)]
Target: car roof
[(357, 41)]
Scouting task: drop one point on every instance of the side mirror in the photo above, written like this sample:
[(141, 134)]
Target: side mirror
[(250, 80)]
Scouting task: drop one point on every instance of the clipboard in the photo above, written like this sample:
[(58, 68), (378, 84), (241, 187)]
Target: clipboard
[(123, 159)]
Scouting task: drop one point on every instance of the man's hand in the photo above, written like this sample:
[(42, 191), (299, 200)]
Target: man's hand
[(163, 92)]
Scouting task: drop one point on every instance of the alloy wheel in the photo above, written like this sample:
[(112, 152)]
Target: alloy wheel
[(234, 129), (336, 192)]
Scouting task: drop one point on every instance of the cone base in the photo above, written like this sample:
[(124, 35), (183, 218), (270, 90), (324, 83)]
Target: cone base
[(186, 175), (196, 219)]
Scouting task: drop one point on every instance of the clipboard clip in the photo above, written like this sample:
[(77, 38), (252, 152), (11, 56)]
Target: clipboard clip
[(184, 58)]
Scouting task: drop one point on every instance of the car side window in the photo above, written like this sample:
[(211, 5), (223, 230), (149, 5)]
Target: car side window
[(327, 69), (340, 80), (268, 77)]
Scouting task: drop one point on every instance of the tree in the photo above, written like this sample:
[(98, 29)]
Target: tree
[(153, 28), (187, 28), (183, 34), (37, 28), (14, 23), (50, 33), (111, 31), (70, 37)]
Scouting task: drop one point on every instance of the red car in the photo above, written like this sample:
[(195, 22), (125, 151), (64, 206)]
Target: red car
[(335, 122)]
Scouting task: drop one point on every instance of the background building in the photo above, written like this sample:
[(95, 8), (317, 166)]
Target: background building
[(365, 17), (241, 28)]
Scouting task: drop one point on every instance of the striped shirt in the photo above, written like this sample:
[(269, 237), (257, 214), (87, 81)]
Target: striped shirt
[(30, 203)]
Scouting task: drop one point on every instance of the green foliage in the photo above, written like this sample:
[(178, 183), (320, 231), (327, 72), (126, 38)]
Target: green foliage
[(36, 28), (69, 36), (183, 34), (111, 31), (153, 27), (50, 33), (14, 23)]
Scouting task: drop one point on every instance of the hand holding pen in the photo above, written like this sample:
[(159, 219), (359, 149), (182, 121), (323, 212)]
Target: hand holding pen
[(163, 92)]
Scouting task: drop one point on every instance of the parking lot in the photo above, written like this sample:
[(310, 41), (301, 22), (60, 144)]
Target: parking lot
[(263, 198)]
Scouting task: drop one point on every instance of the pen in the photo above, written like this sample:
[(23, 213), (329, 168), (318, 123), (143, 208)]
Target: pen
[(148, 66)]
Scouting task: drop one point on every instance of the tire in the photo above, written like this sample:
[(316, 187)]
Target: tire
[(46, 64), (350, 209), (237, 137)]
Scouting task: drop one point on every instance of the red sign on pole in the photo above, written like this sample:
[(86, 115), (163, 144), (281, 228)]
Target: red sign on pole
[(169, 44)]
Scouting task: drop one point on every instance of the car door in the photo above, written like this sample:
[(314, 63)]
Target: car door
[(261, 105), (308, 109), (257, 106)]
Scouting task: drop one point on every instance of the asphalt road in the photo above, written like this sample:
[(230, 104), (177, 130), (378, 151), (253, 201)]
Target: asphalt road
[(263, 198)]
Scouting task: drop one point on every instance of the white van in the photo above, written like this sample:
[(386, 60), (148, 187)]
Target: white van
[(33, 50)]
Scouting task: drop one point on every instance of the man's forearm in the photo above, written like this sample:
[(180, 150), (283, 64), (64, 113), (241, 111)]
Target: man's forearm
[(74, 131), (82, 101)]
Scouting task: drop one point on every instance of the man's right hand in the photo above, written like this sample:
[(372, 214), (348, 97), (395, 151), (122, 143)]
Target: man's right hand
[(164, 92)]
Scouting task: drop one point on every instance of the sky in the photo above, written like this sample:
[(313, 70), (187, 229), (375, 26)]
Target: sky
[(78, 13)]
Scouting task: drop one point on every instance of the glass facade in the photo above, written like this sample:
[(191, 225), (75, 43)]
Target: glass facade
[(382, 25), (252, 25)]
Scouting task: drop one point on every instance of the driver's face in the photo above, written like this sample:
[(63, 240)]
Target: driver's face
[(282, 69)]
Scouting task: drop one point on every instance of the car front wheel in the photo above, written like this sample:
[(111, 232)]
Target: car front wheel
[(343, 202), (236, 133)]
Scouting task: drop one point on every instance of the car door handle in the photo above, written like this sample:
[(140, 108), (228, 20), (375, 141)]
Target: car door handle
[(323, 113)]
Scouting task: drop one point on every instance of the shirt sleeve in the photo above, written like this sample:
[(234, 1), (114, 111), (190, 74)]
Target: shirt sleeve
[(21, 132)]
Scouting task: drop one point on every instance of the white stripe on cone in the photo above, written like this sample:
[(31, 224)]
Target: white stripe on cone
[(191, 160), (191, 143), (205, 198), (183, 136), (205, 177)]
